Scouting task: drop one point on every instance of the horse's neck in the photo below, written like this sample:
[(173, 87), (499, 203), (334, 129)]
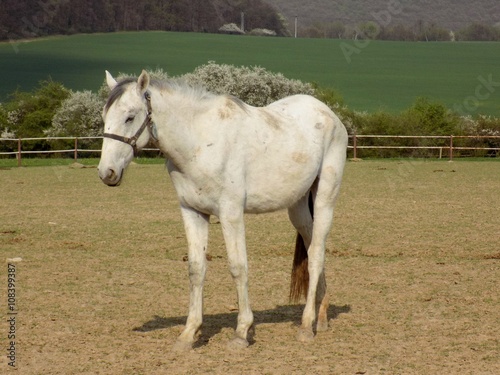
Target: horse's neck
[(174, 116)]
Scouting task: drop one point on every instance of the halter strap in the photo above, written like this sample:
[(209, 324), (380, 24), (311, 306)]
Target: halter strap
[(147, 123)]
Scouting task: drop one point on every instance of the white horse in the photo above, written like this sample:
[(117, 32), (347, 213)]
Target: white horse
[(226, 158)]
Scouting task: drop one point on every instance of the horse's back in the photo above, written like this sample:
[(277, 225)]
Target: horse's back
[(284, 150), (308, 112)]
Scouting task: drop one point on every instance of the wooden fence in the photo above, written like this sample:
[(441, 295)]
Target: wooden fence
[(444, 146)]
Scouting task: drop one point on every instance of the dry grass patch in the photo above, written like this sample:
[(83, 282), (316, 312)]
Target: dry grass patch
[(103, 289)]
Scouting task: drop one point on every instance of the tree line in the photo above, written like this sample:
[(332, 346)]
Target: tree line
[(28, 19), (419, 31), (21, 19)]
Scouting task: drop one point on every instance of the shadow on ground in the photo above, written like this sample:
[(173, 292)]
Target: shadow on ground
[(213, 324)]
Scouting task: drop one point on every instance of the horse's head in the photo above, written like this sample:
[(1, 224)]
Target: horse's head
[(126, 115)]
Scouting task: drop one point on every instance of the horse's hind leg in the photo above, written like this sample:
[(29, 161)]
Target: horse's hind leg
[(324, 203), (301, 216), (322, 304), (196, 226)]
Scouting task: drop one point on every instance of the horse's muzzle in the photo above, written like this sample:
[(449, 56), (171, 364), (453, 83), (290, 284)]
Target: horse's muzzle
[(110, 177)]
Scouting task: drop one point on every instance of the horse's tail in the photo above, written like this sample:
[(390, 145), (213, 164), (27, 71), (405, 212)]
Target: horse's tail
[(300, 275)]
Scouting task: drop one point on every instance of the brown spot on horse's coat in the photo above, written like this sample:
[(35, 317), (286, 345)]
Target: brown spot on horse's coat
[(224, 113), (300, 157), (273, 121), (227, 110)]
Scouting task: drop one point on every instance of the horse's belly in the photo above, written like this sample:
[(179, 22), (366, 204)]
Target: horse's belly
[(278, 188), (261, 203)]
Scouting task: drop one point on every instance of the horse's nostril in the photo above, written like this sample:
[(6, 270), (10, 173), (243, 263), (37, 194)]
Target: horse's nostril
[(111, 177), (111, 174)]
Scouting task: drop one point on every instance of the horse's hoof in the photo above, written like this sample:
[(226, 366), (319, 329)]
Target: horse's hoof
[(237, 344), (305, 335), (182, 346), (322, 326)]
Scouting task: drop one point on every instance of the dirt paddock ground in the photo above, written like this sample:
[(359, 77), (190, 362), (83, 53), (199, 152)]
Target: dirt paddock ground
[(101, 284)]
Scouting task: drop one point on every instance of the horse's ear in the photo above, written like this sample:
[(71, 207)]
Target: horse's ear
[(110, 80), (143, 82)]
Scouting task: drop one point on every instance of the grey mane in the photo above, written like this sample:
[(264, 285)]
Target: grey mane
[(194, 92)]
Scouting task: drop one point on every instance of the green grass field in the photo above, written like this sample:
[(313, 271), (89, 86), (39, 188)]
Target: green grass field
[(7, 163), (374, 75)]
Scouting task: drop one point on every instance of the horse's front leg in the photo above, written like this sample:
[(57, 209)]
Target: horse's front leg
[(233, 228), (196, 226)]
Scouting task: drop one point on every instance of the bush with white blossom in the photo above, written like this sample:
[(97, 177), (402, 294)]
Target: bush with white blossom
[(254, 85), (78, 116)]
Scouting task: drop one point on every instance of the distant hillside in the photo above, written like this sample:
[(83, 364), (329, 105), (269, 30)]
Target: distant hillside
[(399, 19), (447, 14), (20, 19)]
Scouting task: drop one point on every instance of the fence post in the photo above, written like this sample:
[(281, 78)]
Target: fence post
[(354, 146), (76, 148), (19, 152), (451, 148)]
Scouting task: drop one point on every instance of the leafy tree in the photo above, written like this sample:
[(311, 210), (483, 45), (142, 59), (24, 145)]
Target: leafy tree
[(4, 125), (433, 33), (30, 113), (429, 118), (479, 32), (398, 32), (369, 30)]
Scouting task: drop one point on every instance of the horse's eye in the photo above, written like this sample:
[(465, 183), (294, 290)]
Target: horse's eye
[(129, 119)]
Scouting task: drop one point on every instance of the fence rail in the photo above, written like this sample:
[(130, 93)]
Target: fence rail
[(447, 144)]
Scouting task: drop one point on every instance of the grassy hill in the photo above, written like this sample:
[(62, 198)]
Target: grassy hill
[(370, 76), (449, 14)]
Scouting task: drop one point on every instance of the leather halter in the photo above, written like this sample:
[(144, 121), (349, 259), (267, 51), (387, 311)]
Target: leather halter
[(148, 123)]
